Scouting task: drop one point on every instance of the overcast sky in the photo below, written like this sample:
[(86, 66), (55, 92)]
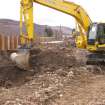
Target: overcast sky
[(9, 9)]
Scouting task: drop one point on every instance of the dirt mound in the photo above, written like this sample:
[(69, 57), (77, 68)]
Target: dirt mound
[(42, 61), (10, 74), (53, 58)]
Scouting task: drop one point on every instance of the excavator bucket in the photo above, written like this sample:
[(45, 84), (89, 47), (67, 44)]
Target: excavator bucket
[(21, 60)]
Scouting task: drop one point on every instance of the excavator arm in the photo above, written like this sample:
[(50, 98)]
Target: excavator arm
[(70, 8), (26, 13)]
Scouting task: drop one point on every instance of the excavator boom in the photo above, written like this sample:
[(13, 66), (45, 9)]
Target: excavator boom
[(70, 8)]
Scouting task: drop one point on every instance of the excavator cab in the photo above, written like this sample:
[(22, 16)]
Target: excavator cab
[(96, 43), (96, 37)]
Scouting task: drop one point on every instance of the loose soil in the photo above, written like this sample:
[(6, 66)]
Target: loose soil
[(59, 76)]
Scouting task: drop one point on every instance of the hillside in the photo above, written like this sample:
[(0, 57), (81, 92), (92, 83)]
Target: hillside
[(10, 27)]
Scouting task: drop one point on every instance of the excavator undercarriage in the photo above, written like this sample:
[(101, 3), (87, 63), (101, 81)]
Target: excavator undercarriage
[(96, 59)]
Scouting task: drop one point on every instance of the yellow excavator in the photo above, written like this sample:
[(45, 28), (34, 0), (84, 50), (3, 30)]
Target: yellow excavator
[(91, 35)]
